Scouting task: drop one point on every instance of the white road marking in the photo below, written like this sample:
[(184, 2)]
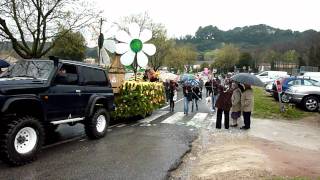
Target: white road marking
[(197, 120), (174, 102), (153, 117), (121, 125), (174, 118)]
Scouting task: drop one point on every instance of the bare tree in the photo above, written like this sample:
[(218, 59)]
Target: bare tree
[(31, 25)]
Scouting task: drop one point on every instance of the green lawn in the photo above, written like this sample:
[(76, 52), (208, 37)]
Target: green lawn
[(266, 107)]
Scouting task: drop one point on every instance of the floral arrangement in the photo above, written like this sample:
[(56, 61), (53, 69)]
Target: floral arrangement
[(138, 99)]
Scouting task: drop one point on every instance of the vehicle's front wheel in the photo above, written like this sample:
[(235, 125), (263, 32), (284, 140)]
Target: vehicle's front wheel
[(21, 140), (284, 98), (310, 103), (97, 125)]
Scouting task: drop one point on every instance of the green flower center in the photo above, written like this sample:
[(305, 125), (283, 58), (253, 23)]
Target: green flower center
[(136, 45)]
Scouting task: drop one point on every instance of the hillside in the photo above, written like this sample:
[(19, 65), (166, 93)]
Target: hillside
[(247, 38)]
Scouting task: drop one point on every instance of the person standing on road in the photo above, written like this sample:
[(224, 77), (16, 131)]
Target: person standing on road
[(247, 101), (172, 94), (208, 88), (223, 105), (201, 83), (214, 93), (196, 95), (236, 104), (167, 89), (187, 93)]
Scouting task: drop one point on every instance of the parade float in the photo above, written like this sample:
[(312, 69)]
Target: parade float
[(135, 96)]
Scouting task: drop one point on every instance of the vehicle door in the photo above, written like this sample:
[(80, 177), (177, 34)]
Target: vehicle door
[(63, 97), (96, 82), (292, 82)]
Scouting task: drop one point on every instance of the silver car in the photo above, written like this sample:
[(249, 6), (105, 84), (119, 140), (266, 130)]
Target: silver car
[(306, 95)]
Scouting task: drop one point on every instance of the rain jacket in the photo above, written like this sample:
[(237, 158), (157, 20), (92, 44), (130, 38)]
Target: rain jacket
[(236, 100), (247, 100)]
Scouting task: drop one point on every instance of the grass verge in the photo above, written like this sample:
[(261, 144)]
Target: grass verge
[(266, 107)]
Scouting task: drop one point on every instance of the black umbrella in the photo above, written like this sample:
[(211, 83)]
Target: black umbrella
[(246, 78), (4, 64)]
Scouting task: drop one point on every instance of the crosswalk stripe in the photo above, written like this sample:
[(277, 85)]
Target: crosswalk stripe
[(154, 116), (174, 118), (197, 120)]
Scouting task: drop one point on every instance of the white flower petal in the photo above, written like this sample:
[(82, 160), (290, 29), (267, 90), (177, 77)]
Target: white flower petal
[(121, 48), (110, 45), (145, 35), (149, 49), (127, 58), (134, 30), (123, 36), (142, 59), (104, 57)]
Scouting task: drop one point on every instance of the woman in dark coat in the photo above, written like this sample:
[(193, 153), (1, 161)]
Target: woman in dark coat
[(172, 90), (223, 105), (196, 95)]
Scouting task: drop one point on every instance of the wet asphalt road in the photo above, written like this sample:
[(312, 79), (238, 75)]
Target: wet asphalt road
[(129, 151)]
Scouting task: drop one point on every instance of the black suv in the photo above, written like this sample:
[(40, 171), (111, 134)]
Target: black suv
[(38, 95)]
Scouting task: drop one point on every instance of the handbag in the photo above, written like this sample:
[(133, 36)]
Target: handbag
[(175, 96)]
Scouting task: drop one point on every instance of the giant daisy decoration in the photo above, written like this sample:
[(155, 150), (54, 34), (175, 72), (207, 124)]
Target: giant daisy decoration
[(133, 47)]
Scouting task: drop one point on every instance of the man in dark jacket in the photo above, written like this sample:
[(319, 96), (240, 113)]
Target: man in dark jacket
[(223, 105)]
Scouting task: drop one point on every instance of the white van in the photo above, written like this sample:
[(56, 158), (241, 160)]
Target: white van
[(312, 75), (269, 76)]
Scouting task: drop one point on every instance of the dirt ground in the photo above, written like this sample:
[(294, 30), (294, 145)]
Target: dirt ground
[(270, 149)]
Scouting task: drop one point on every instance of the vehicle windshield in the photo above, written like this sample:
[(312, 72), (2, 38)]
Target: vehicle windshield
[(30, 69)]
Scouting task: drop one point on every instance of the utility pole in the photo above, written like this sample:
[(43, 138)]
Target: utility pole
[(100, 42)]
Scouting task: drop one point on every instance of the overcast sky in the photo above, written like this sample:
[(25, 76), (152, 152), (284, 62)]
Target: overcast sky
[(183, 17)]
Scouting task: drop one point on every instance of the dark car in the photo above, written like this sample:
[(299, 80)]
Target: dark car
[(288, 82), (38, 95)]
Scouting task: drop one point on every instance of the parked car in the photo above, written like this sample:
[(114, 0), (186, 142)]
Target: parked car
[(308, 95), (269, 87), (38, 95), (312, 75), (288, 82), (269, 76)]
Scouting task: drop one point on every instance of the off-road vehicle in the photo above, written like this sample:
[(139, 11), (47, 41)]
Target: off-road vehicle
[(38, 95)]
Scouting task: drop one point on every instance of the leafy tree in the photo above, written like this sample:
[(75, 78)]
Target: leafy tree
[(71, 45), (204, 65), (31, 24), (314, 55), (245, 60), (180, 56), (291, 56), (227, 57)]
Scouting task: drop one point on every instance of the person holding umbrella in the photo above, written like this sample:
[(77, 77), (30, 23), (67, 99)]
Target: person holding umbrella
[(247, 98), (247, 101), (187, 92), (172, 92)]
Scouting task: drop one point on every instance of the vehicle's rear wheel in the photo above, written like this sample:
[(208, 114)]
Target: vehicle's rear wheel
[(96, 126), (310, 103), (21, 140)]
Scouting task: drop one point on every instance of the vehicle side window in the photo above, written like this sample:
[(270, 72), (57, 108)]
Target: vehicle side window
[(95, 77), (264, 74), (309, 82), (295, 82), (67, 75)]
